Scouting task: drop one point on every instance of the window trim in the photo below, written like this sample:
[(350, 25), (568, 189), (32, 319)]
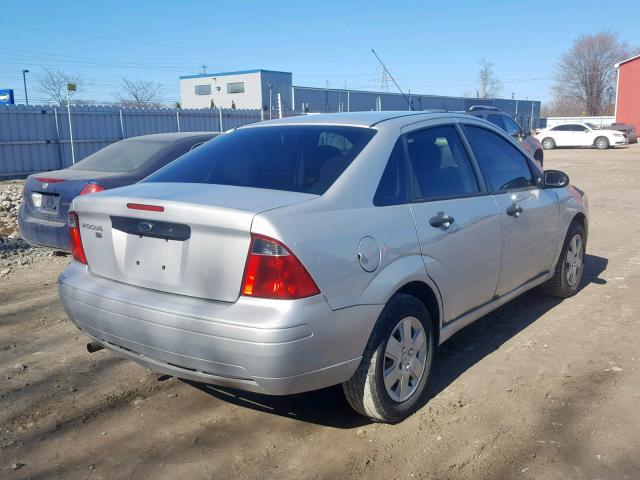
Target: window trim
[(534, 171)]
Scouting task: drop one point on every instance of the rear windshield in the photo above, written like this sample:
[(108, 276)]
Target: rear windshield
[(121, 156), (306, 159)]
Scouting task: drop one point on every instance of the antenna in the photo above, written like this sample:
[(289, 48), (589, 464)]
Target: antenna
[(384, 68), (444, 107)]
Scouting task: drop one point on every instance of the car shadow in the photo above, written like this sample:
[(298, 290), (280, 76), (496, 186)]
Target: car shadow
[(461, 352)]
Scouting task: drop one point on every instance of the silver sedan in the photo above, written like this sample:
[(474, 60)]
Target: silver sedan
[(295, 254)]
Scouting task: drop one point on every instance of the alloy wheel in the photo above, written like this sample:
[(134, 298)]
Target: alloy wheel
[(404, 359), (574, 260)]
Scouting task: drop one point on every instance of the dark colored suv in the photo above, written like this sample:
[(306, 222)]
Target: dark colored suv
[(506, 123)]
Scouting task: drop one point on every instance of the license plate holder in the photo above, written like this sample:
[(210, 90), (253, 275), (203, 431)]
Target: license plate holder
[(50, 202)]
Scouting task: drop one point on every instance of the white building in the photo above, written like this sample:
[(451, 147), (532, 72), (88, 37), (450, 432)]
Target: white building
[(253, 89)]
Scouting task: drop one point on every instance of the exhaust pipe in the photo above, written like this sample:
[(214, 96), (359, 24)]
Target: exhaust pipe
[(93, 347)]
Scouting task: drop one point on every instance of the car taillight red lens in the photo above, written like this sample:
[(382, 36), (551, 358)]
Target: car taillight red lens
[(272, 271), (91, 188), (76, 242)]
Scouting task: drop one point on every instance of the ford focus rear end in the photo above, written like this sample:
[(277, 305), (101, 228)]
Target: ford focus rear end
[(174, 274)]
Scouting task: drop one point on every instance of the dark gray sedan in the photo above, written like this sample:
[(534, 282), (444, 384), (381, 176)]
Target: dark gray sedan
[(47, 196)]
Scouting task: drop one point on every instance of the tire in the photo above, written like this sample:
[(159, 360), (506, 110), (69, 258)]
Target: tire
[(548, 143), (563, 284), (601, 143), (366, 391)]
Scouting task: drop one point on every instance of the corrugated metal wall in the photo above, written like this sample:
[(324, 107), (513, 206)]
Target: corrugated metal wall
[(36, 139), (628, 96), (525, 112)]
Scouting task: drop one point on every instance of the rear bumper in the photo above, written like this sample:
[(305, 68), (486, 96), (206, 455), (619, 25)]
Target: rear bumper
[(268, 346), (44, 233)]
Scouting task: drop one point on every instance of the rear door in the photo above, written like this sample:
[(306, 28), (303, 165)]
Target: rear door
[(562, 135), (458, 224), (528, 213)]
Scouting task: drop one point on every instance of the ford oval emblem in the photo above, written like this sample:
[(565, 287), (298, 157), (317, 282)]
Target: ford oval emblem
[(145, 226)]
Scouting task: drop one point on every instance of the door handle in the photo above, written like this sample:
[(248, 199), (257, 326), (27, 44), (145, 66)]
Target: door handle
[(441, 220), (514, 210)]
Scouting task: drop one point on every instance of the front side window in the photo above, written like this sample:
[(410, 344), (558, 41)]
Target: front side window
[(236, 87), (503, 166), (579, 128), (203, 89), (440, 165), (293, 158)]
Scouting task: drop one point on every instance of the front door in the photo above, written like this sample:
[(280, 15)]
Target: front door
[(528, 214), (458, 224)]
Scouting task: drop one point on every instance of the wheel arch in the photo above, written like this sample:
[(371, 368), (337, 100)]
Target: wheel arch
[(581, 219), (539, 155), (429, 298)]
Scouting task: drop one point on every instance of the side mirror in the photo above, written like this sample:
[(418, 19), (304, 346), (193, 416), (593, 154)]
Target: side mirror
[(555, 179)]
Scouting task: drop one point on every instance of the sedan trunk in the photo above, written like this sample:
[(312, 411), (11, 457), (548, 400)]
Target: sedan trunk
[(188, 239)]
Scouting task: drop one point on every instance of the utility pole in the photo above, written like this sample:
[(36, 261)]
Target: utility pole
[(71, 87), (270, 99), (24, 79), (204, 69)]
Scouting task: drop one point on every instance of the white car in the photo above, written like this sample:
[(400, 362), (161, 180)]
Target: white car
[(580, 135)]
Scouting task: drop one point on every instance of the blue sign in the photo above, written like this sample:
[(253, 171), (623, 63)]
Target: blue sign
[(6, 97)]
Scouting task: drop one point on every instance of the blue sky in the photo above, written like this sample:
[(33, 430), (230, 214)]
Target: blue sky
[(430, 47)]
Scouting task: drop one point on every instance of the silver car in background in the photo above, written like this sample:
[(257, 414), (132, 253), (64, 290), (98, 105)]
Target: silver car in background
[(295, 254)]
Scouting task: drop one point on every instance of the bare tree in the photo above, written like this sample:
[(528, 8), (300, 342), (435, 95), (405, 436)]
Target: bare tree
[(585, 76), (53, 84), (140, 93), (488, 84)]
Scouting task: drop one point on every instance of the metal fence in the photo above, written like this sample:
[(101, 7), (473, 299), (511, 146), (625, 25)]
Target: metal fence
[(37, 138)]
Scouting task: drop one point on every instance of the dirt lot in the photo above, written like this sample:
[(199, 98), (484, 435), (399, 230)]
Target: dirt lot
[(539, 389)]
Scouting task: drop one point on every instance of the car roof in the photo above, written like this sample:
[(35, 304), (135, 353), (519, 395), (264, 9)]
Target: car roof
[(171, 137), (358, 119)]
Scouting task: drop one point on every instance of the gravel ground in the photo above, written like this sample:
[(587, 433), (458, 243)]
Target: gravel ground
[(540, 389), (14, 251)]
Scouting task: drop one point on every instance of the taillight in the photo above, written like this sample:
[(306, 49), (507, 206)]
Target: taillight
[(272, 271), (76, 242), (91, 188)]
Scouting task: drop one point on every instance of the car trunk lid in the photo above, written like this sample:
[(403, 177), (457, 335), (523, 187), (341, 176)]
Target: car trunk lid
[(188, 239), (49, 194)]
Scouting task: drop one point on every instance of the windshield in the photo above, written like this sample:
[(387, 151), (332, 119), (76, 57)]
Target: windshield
[(122, 156), (302, 158), (592, 126)]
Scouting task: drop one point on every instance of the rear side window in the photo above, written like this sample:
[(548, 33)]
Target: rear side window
[(503, 166), (301, 158), (392, 189), (496, 120), (511, 127), (440, 165)]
